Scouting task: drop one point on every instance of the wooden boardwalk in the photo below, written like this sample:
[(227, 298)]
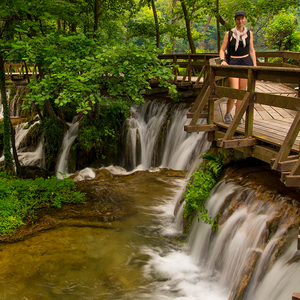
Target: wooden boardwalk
[(270, 124)]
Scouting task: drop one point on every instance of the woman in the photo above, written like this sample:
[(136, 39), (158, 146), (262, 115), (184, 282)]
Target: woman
[(242, 53)]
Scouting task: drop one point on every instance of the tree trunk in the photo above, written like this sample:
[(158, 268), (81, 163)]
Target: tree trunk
[(59, 25), (13, 144), (72, 26), (188, 27), (172, 39), (218, 25), (96, 15), (8, 162), (204, 32), (156, 23)]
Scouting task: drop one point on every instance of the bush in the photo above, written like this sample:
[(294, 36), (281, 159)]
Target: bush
[(198, 190), (20, 198)]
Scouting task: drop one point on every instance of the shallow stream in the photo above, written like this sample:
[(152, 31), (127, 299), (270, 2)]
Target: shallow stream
[(136, 258)]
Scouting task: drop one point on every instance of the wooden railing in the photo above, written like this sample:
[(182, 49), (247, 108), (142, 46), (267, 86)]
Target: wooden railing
[(185, 66), (19, 70), (215, 89)]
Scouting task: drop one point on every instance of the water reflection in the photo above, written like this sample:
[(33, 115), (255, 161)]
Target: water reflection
[(96, 263)]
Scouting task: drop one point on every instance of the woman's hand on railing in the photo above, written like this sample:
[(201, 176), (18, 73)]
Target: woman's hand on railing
[(223, 62)]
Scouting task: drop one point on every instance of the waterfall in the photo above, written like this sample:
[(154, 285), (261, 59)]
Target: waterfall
[(69, 138), (238, 250), (28, 157), (155, 137)]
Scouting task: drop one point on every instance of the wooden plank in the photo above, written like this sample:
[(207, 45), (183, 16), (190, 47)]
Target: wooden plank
[(264, 153), (286, 166), (278, 74), (282, 112), (278, 101), (292, 181), (200, 127), (222, 91), (203, 115), (289, 158), (236, 143), (264, 114), (274, 114)]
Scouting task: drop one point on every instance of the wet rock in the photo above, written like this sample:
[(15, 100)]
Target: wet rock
[(241, 283)]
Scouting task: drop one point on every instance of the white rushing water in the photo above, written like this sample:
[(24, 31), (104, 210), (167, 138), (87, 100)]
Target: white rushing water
[(69, 138), (33, 157), (211, 264), (146, 138)]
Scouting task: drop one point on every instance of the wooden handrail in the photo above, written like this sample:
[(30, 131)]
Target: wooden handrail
[(249, 97)]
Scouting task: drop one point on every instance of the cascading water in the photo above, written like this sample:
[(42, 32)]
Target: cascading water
[(69, 138), (242, 260), (235, 262), (33, 157), (155, 137)]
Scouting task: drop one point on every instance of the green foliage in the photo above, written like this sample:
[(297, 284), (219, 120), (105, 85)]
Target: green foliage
[(282, 33), (20, 198), (52, 134), (198, 190), (102, 131), (82, 71)]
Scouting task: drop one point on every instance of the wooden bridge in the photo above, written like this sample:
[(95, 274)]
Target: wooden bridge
[(269, 113), (267, 124)]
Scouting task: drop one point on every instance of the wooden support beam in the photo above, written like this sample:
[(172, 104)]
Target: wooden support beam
[(283, 176), (286, 166), (296, 296), (200, 96), (236, 143), (298, 245), (264, 153), (203, 115), (201, 106), (292, 180), (201, 74), (296, 168), (200, 127), (290, 157), (278, 101), (222, 91), (234, 124), (288, 141), (250, 108)]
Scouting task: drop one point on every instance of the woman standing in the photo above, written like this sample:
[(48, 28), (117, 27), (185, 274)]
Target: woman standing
[(242, 53)]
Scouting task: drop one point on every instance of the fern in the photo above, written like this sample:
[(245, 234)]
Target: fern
[(198, 188)]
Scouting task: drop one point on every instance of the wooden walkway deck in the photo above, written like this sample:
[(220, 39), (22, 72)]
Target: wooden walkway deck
[(270, 124)]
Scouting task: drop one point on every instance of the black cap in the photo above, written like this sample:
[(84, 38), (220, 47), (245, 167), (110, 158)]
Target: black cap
[(240, 13)]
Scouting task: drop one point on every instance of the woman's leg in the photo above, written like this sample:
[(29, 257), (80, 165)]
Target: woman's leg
[(235, 84), (242, 86)]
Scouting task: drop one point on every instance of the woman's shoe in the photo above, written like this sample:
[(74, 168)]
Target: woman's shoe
[(227, 119)]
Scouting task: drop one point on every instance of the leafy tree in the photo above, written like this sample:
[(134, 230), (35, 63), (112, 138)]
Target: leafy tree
[(84, 72), (281, 32)]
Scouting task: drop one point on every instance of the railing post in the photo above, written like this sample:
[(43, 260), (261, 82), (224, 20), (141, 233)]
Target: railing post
[(211, 107), (250, 109), (190, 70)]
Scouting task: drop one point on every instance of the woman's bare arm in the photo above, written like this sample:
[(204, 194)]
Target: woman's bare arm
[(252, 50)]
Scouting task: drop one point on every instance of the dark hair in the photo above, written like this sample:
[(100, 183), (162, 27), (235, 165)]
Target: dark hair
[(240, 13)]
